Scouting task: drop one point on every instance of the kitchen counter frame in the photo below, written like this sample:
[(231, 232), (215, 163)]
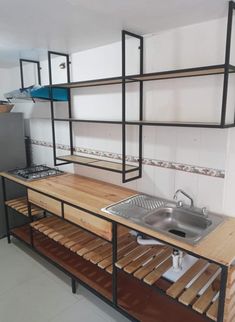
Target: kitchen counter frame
[(114, 222)]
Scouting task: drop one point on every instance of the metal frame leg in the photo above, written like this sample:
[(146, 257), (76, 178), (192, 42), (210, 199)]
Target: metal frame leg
[(222, 296), (114, 260), (6, 211), (74, 285), (30, 219)]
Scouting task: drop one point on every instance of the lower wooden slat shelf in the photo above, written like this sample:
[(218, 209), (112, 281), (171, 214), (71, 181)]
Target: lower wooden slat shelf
[(133, 296), (79, 251), (21, 206)]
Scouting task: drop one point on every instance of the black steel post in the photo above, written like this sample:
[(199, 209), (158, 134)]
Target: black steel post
[(30, 219), (114, 260), (6, 210), (227, 61), (222, 295), (21, 73), (141, 106), (74, 285), (52, 108), (123, 106), (69, 105)]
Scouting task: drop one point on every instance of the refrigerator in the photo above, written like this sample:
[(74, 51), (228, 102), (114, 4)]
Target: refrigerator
[(12, 155)]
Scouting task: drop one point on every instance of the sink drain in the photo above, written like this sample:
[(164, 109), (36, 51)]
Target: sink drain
[(177, 232)]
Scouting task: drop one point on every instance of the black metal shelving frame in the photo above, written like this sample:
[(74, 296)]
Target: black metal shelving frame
[(123, 166), (222, 69), (114, 301)]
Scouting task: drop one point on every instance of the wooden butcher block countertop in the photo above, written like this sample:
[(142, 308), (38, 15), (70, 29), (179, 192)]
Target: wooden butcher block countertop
[(93, 195)]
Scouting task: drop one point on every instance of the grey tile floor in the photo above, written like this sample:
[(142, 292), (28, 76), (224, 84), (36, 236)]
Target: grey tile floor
[(32, 290)]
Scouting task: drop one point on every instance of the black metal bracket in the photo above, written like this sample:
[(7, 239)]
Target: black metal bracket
[(124, 79), (50, 54), (22, 61)]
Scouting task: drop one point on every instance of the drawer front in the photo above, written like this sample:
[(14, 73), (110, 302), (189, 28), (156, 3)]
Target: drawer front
[(92, 223), (45, 202)]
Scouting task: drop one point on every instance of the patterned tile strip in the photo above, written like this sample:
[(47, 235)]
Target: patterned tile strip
[(218, 173)]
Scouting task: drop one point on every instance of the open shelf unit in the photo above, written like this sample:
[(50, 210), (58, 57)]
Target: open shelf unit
[(90, 259), (129, 172), (105, 257), (222, 69)]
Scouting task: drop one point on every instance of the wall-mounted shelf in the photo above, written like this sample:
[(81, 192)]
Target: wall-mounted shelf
[(224, 70), (87, 121), (98, 163), (170, 74)]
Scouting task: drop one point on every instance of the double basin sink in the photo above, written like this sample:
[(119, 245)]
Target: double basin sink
[(180, 222)]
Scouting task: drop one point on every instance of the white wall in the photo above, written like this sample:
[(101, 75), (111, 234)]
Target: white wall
[(188, 99)]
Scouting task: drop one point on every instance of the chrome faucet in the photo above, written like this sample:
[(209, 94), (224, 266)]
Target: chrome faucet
[(180, 203)]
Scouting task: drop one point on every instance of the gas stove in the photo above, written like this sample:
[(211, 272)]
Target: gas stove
[(35, 172)]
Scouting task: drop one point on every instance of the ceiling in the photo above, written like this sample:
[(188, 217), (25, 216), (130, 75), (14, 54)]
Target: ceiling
[(29, 28)]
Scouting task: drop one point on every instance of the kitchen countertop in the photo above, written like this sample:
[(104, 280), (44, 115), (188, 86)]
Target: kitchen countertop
[(93, 195)]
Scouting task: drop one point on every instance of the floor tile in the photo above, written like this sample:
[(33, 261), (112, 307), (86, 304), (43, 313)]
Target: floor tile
[(35, 301)]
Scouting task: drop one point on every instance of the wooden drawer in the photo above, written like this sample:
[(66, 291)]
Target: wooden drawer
[(92, 223), (45, 202)]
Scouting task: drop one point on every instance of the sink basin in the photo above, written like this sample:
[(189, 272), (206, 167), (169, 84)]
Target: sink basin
[(179, 222), (183, 223)]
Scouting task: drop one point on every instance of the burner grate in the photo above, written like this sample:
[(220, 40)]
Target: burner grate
[(35, 172)]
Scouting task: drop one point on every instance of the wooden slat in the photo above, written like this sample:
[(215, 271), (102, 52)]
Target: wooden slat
[(147, 268), (69, 237), (138, 251), (213, 310), (43, 221), (91, 246), (48, 230), (80, 235), (21, 206), (99, 255), (204, 301), (189, 295), (177, 288), (64, 233), (151, 278), (109, 269), (125, 250), (81, 243), (51, 232), (134, 265)]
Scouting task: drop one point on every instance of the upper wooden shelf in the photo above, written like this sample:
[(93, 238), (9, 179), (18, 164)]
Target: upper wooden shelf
[(179, 73), (98, 163)]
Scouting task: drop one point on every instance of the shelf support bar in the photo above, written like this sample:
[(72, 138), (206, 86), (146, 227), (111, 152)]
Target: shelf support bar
[(141, 61), (6, 210), (227, 61), (22, 61)]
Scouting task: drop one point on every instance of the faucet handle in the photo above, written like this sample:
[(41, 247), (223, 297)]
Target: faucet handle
[(180, 203), (205, 211)]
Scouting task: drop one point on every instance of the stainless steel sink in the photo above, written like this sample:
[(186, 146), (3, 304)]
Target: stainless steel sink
[(180, 222), (183, 223)]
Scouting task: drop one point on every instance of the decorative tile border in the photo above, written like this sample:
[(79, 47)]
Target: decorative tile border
[(218, 173)]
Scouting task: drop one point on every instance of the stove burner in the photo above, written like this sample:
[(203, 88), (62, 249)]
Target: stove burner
[(35, 172)]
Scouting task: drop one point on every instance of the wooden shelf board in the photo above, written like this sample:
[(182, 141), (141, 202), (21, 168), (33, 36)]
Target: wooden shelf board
[(21, 205), (178, 123), (88, 121), (170, 74), (96, 163)]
